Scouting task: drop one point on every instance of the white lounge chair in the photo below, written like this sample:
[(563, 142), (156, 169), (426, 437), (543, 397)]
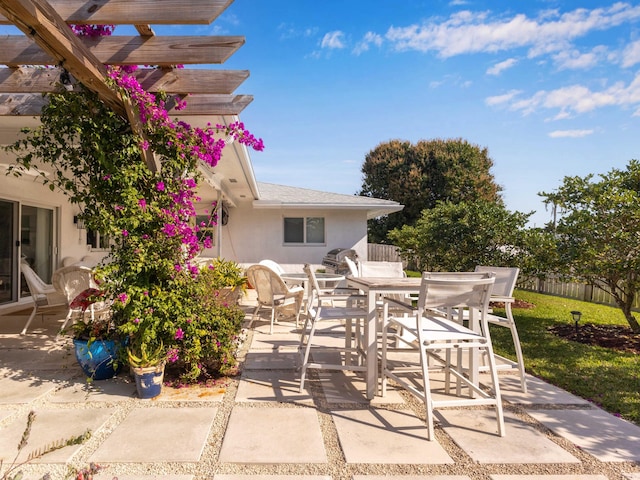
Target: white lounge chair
[(44, 296)]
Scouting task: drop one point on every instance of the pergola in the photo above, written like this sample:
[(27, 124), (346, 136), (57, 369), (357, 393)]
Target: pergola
[(48, 41)]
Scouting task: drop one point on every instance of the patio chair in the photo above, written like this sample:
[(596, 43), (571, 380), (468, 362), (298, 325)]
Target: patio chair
[(434, 335), (44, 296), (506, 278), (77, 284), (316, 313), (275, 266), (274, 294)]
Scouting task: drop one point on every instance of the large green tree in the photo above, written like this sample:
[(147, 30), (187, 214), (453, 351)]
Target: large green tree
[(458, 236), (598, 233), (420, 175)]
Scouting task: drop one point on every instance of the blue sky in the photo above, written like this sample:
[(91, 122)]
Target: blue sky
[(549, 88)]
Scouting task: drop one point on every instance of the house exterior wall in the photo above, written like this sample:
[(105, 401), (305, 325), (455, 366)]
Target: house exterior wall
[(253, 234)]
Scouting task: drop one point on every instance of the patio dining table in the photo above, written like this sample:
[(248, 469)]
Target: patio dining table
[(374, 288)]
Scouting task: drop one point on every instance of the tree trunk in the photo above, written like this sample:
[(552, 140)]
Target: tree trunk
[(633, 322)]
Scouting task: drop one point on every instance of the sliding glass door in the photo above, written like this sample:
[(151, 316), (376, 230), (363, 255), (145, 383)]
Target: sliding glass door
[(27, 233), (8, 251), (36, 242)]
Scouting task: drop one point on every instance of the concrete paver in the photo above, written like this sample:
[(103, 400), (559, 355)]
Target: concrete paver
[(158, 435), (413, 477), (261, 360), (260, 427), (350, 387), (270, 477), (272, 386), (27, 388), (282, 341), (110, 390), (548, 477), (386, 436), (605, 436), (475, 431), (538, 392), (273, 435), (48, 427)]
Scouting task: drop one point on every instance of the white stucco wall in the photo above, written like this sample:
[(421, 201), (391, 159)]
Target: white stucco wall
[(255, 234)]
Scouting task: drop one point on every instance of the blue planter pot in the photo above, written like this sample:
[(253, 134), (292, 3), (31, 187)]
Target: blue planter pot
[(97, 360), (149, 380)]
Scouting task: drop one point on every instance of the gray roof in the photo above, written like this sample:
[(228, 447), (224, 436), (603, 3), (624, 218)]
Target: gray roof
[(282, 196)]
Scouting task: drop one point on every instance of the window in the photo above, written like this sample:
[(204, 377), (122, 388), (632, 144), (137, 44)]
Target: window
[(98, 241), (304, 230)]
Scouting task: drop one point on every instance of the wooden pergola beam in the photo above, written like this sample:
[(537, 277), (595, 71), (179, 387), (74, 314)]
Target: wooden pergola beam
[(18, 50), (30, 105), (42, 23), (137, 12), (45, 80)]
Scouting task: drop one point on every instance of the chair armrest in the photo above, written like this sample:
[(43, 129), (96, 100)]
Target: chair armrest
[(502, 299), (398, 304)]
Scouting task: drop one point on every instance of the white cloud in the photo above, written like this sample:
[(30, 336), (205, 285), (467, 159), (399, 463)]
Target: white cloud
[(369, 39), (578, 99), (570, 133), (501, 99), (575, 60), (631, 54), (500, 67), (333, 40), (470, 32)]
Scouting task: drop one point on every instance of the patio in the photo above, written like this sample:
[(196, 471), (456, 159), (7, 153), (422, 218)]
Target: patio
[(258, 426)]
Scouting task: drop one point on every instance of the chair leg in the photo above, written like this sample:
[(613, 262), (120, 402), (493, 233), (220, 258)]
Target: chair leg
[(518, 348), (31, 317), (273, 319), (254, 316), (496, 389), (66, 320), (305, 359), (428, 402)]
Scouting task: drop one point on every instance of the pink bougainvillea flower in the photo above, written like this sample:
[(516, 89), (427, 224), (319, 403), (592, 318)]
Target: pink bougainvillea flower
[(179, 334), (142, 203), (122, 297), (125, 233), (172, 355), (160, 186)]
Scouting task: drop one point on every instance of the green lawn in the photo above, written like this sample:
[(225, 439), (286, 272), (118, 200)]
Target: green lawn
[(606, 377)]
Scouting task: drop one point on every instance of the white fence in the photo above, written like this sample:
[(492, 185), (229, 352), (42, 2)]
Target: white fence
[(580, 291)]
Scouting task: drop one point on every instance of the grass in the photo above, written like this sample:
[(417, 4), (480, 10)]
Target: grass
[(606, 377)]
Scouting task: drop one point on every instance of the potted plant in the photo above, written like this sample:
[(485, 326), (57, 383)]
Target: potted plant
[(147, 366), (96, 340), (224, 279)]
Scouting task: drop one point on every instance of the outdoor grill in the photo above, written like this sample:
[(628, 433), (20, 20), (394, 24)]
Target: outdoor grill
[(334, 260)]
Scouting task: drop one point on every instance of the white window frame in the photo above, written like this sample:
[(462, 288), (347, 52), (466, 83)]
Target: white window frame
[(305, 227)]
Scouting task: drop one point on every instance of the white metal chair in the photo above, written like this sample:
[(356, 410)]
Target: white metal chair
[(434, 334), (274, 294), (74, 281), (353, 267), (506, 278), (316, 313), (45, 297)]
